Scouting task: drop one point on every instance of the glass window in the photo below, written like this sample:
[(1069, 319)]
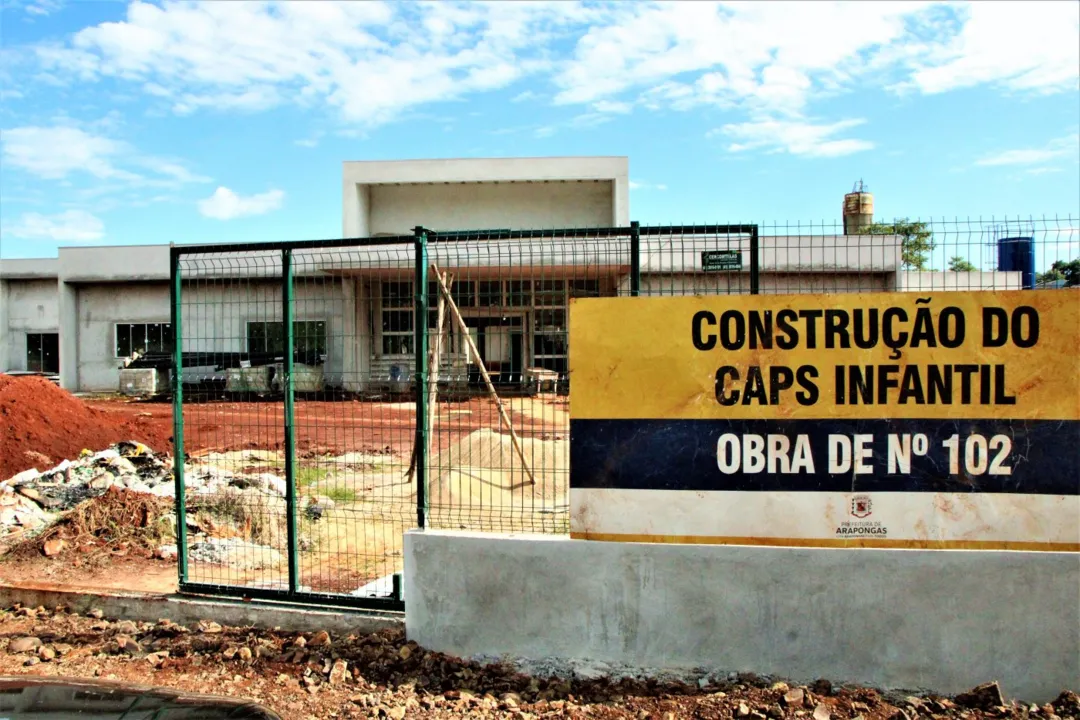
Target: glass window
[(143, 338), (491, 293), (518, 293), (309, 336), (550, 292), (43, 352), (397, 315), (550, 320), (584, 288), (549, 344)]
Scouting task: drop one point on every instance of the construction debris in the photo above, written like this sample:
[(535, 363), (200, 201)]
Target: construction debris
[(317, 675), (122, 498)]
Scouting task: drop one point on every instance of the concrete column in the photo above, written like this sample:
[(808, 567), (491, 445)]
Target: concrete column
[(6, 340), (348, 332), (69, 335), (356, 210)]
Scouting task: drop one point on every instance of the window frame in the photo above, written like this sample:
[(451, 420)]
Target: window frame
[(40, 335), (144, 324), (249, 323)]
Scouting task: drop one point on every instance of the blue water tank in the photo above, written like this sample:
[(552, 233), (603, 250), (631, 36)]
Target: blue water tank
[(1017, 254)]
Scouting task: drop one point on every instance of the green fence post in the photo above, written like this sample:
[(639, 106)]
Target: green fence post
[(420, 318), (290, 437), (178, 414), (755, 261), (635, 258)]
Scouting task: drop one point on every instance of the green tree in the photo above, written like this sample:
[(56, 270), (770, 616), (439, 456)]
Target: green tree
[(1061, 270), (916, 241), (959, 264)]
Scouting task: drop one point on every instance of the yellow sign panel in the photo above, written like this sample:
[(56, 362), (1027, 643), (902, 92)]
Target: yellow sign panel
[(946, 420), (900, 355)]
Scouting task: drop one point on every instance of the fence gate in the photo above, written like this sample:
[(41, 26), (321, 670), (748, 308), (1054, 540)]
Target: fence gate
[(294, 421)]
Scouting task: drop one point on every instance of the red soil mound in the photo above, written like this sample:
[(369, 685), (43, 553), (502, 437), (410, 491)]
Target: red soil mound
[(40, 425)]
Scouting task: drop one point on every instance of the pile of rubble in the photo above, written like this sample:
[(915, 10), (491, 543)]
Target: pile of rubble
[(32, 501), (320, 675)]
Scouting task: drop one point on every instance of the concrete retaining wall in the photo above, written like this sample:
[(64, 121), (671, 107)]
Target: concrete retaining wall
[(913, 619)]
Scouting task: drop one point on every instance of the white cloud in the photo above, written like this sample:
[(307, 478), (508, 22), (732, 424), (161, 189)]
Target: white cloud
[(1028, 46), (1068, 146), (225, 204), (60, 151), (69, 226), (43, 7), (368, 61), (797, 137)]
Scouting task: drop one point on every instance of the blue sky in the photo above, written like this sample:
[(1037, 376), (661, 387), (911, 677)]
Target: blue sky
[(228, 121)]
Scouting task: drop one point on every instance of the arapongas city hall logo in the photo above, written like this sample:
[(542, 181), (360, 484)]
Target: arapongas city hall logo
[(861, 506)]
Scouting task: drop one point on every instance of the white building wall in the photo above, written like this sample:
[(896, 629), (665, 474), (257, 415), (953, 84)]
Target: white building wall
[(397, 209), (31, 307), (100, 307)]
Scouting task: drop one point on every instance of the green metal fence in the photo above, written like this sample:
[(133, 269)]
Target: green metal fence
[(331, 395)]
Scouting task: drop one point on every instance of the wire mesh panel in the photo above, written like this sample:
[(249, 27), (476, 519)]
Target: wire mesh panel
[(293, 436), (229, 350), (918, 255), (355, 416), (497, 380)]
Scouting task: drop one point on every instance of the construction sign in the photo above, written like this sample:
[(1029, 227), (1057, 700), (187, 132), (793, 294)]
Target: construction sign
[(945, 420)]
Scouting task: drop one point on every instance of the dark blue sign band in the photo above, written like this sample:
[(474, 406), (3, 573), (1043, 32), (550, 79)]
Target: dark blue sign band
[(956, 456)]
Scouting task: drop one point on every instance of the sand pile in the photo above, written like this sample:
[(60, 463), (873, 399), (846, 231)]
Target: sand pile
[(40, 425), (481, 476)]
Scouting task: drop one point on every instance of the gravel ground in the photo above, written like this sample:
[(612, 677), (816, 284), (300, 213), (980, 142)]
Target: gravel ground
[(314, 676)]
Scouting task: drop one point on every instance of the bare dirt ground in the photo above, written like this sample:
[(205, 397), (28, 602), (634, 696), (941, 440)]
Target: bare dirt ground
[(338, 426), (316, 676), (357, 453)]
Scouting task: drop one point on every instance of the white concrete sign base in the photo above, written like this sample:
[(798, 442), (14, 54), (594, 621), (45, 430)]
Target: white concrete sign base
[(938, 620)]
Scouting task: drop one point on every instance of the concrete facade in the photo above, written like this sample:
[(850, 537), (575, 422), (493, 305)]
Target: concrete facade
[(393, 197), (86, 291), (932, 620)]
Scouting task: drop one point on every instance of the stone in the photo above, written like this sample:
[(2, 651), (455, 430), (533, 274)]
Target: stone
[(95, 613), (104, 481), (898, 714), (24, 477), (24, 644), (742, 710), (126, 627), (128, 644), (166, 552), (320, 639), (62, 649), (157, 659), (776, 712), (404, 652), (511, 698), (339, 672), (396, 713), (794, 697), (30, 492), (821, 712), (982, 697), (46, 653), (209, 626), (53, 547), (244, 653), (32, 660)]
